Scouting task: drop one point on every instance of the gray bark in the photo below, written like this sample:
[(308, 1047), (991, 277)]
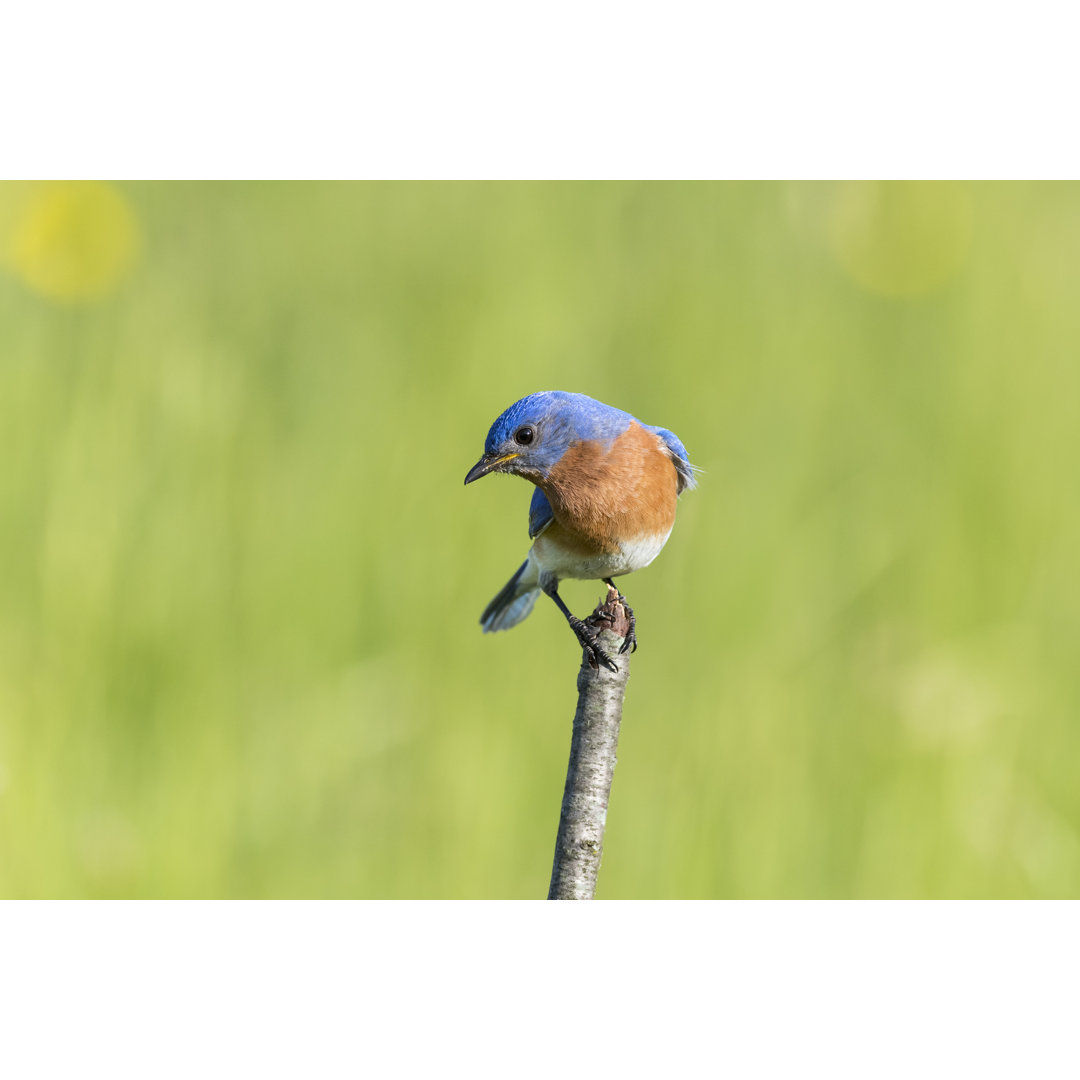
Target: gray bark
[(580, 841)]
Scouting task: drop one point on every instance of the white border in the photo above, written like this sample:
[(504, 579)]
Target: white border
[(529, 989), (582, 89)]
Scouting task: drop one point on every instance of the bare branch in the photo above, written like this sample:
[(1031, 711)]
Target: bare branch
[(580, 841)]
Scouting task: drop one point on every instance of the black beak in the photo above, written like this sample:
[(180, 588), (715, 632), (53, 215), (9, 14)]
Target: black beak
[(488, 463)]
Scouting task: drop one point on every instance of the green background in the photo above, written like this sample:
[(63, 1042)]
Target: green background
[(241, 578)]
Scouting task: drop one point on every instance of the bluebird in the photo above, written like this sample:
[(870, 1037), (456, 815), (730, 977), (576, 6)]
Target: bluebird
[(604, 504)]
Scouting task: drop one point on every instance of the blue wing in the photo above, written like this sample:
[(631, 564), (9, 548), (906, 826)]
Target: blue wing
[(540, 514), (678, 456)]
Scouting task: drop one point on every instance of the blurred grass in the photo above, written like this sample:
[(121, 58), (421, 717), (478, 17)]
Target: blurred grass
[(238, 642)]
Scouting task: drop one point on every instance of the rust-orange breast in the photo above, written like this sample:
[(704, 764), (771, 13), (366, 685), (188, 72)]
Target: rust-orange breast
[(600, 498)]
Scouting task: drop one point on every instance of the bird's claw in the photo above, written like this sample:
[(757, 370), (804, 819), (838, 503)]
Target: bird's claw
[(588, 640), (597, 656)]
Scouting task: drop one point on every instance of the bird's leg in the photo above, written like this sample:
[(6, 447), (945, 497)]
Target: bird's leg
[(585, 635), (630, 642)]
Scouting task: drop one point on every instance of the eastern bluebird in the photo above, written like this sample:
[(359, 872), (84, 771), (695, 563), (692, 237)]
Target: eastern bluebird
[(604, 504)]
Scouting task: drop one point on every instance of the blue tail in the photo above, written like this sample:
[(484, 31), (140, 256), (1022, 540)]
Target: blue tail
[(514, 602)]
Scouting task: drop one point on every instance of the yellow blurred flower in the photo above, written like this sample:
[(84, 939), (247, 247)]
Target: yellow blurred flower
[(71, 240), (900, 238)]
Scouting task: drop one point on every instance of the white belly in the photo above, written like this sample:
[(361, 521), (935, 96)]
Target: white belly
[(554, 560)]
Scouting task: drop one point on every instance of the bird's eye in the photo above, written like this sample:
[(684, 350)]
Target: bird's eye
[(524, 435)]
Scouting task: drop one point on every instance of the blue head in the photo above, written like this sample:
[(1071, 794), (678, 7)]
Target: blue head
[(534, 433)]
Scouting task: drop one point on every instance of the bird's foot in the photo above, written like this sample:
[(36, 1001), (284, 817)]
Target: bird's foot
[(630, 641), (589, 642)]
